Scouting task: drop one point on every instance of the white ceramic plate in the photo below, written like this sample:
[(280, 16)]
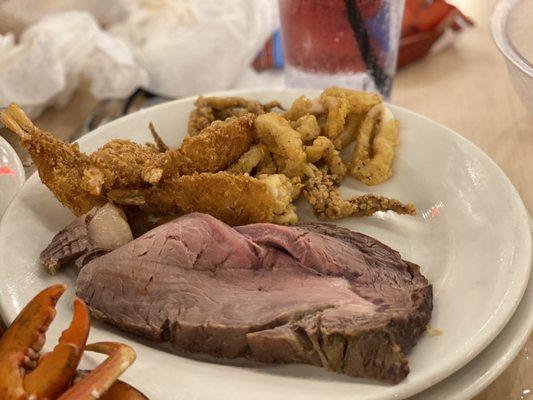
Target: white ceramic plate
[(485, 368), (471, 238), (12, 174)]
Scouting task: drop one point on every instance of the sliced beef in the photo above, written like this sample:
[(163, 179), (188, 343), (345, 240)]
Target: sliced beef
[(313, 293)]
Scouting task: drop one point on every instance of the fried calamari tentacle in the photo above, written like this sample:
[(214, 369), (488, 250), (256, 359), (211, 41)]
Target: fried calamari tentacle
[(60, 165), (328, 204), (209, 109), (377, 140), (234, 199), (250, 160), (283, 142), (307, 127), (323, 149)]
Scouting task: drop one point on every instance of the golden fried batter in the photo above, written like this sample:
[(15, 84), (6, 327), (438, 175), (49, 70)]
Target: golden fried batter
[(358, 102), (303, 106), (209, 109), (267, 165), (337, 110), (234, 199), (376, 143), (284, 142), (120, 163), (323, 149), (250, 160), (220, 144), (307, 127), (328, 204), (350, 131), (231, 138), (81, 182), (60, 164)]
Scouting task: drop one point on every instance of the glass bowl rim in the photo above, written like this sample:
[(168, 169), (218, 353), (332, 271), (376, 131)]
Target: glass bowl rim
[(499, 17)]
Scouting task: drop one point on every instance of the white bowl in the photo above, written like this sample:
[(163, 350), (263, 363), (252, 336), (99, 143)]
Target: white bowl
[(512, 30)]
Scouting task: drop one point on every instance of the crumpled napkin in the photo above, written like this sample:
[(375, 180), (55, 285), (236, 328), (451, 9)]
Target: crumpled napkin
[(45, 66), (199, 46)]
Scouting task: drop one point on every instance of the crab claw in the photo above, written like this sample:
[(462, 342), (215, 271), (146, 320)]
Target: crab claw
[(24, 337), (57, 368), (99, 380)]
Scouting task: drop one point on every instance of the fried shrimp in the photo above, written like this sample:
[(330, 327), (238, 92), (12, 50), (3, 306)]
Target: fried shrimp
[(241, 161), (82, 181), (220, 144), (376, 143), (328, 204), (234, 199), (60, 165)]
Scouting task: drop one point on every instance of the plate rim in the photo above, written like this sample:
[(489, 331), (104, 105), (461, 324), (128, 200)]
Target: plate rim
[(513, 299)]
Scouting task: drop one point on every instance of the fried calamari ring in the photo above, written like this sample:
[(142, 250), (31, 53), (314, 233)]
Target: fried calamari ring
[(307, 127), (349, 132), (358, 102), (249, 160), (303, 106), (323, 149), (377, 140), (337, 110), (283, 142), (267, 165), (340, 103), (328, 204)]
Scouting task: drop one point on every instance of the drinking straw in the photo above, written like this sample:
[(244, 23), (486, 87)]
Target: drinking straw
[(381, 79)]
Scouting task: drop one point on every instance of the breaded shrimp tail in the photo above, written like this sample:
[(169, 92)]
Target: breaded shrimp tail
[(60, 164)]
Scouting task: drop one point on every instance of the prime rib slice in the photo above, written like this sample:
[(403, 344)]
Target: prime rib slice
[(312, 293)]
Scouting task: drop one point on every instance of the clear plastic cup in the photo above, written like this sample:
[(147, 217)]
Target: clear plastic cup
[(349, 43)]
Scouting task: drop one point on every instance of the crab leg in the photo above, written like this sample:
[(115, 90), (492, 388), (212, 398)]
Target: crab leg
[(98, 381), (57, 368), (25, 335)]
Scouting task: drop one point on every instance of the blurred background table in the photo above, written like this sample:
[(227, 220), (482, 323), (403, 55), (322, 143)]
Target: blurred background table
[(466, 88)]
